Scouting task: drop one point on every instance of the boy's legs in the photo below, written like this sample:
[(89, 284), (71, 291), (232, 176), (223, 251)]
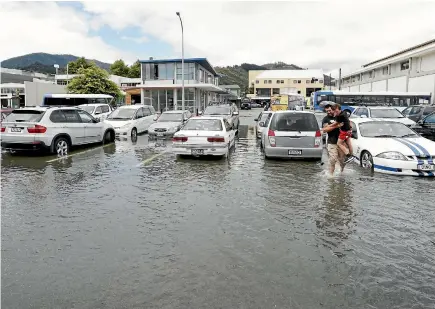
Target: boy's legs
[(349, 146), (343, 146)]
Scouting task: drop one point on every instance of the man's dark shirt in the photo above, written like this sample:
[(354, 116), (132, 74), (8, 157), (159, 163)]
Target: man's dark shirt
[(344, 119), (332, 135)]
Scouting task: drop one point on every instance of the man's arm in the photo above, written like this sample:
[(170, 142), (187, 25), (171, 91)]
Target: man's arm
[(328, 128)]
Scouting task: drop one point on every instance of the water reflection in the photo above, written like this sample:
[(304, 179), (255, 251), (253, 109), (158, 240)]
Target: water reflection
[(335, 216)]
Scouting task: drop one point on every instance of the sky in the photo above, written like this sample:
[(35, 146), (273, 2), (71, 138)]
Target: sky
[(312, 34)]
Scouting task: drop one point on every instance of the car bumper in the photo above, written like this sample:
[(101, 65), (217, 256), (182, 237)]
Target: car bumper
[(29, 146), (122, 131), (397, 167), (283, 152), (160, 135), (186, 150)]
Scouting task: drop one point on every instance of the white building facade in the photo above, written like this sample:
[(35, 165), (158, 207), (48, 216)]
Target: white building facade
[(410, 70)]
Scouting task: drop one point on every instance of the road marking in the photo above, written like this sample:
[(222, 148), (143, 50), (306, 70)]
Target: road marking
[(77, 153), (152, 158)]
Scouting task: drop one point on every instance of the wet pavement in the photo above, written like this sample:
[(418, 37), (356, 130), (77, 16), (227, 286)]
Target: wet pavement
[(129, 225)]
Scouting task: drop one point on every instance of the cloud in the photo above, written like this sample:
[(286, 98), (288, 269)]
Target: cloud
[(139, 40), (313, 34)]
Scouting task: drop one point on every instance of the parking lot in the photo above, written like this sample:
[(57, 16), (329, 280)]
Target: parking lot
[(129, 225)]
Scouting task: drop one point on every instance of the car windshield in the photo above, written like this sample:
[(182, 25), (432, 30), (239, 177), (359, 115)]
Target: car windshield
[(294, 122), (217, 110), (23, 115), (429, 110), (385, 129), (386, 113), (87, 108), (170, 117), (264, 117), (204, 125), (122, 114)]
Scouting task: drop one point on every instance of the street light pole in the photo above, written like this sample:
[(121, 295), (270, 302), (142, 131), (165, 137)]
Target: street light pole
[(182, 61)]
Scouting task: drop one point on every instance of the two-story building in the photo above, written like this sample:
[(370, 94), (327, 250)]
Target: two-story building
[(162, 84), (267, 83), (410, 70), (122, 82)]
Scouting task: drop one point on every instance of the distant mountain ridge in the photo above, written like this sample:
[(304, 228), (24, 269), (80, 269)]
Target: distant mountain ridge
[(43, 62)]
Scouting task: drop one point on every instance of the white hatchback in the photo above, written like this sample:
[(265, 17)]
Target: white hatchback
[(385, 113), (56, 129), (99, 111), (129, 120)]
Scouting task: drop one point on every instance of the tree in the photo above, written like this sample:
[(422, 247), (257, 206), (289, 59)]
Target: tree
[(93, 80), (119, 68), (75, 66), (134, 70)]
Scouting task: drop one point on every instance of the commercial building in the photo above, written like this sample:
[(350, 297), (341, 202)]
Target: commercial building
[(410, 70), (122, 82), (267, 83), (21, 76), (161, 84)]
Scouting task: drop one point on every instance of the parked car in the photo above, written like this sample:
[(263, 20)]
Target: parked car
[(261, 122), (55, 129), (229, 112), (205, 135), (426, 127), (418, 112), (392, 148), (99, 111), (382, 113), (245, 105), (292, 134), (168, 123), (130, 120)]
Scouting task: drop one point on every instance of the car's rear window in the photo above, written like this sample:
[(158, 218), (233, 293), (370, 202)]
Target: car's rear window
[(294, 122), (22, 115), (204, 125), (429, 110)]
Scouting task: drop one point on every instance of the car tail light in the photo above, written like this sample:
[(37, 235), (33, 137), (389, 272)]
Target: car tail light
[(216, 139), (37, 129), (179, 139), (3, 129), (318, 139), (272, 140)]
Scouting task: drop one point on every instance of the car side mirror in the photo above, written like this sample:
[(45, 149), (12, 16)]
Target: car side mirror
[(256, 119), (354, 135), (363, 116), (261, 124), (200, 112), (155, 118), (97, 113), (235, 113), (420, 122), (96, 120)]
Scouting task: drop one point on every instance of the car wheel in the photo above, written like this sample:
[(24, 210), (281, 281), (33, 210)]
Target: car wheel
[(366, 161), (134, 133), (109, 137), (61, 146)]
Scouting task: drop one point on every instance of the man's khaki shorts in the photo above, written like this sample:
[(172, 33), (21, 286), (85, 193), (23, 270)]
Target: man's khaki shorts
[(335, 155)]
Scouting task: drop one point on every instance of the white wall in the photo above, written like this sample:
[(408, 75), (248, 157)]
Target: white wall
[(35, 92), (354, 88), (427, 63), (365, 87), (379, 85), (397, 84), (422, 83)]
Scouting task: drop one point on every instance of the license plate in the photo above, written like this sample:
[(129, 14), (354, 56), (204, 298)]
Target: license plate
[(295, 152), (197, 152), (16, 129), (426, 167), (159, 134)]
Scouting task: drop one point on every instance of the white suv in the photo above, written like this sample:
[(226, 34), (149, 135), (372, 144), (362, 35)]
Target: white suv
[(56, 129), (99, 111)]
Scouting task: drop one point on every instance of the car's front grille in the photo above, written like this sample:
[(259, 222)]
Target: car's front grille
[(160, 130)]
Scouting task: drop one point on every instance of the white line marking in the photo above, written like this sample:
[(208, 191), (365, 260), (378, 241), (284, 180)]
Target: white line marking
[(77, 153), (152, 158)]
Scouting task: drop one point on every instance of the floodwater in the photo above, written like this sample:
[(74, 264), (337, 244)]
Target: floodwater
[(131, 226)]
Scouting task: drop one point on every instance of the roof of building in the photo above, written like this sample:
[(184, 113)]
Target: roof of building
[(415, 48), (230, 86), (202, 61), (290, 74), (12, 85)]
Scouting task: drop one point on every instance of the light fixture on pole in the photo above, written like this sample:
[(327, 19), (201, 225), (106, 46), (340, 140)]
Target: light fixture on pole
[(182, 61)]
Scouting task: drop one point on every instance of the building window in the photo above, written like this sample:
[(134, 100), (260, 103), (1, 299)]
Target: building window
[(265, 81), (385, 71), (270, 82), (404, 66), (371, 74), (263, 92), (282, 81), (299, 92), (308, 81), (295, 82), (299, 81), (321, 81), (275, 91), (257, 81), (278, 81)]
